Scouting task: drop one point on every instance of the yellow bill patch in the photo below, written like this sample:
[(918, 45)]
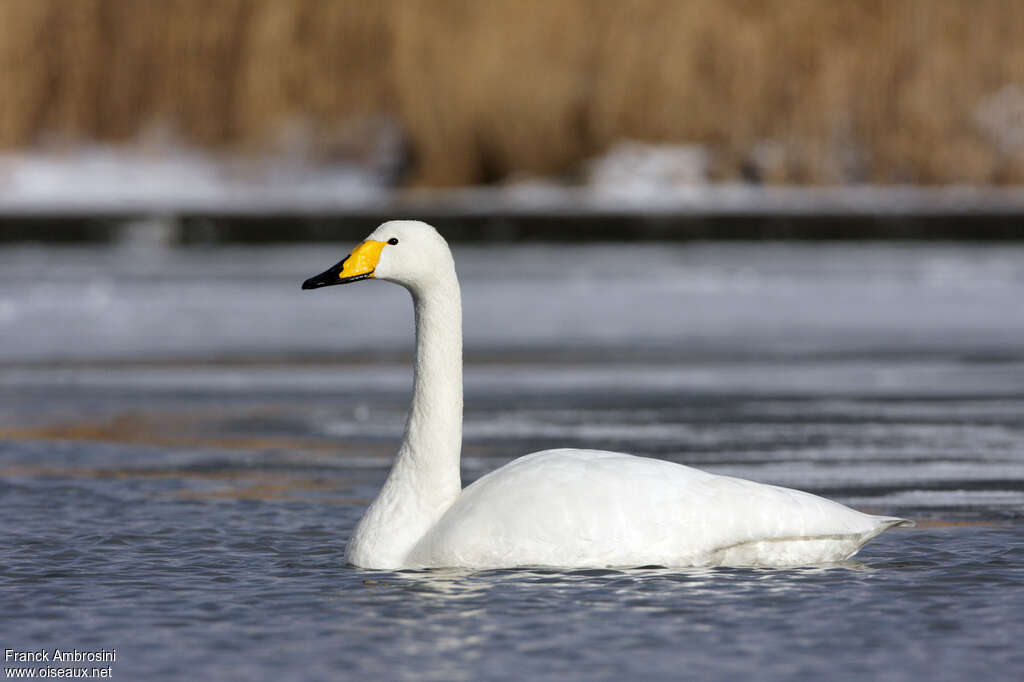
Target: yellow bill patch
[(362, 260)]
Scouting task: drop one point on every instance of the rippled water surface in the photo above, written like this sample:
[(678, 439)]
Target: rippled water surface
[(186, 441)]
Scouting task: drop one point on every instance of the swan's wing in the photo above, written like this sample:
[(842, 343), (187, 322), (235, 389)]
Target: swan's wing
[(592, 508)]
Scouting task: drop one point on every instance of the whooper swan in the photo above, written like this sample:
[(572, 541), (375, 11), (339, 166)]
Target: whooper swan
[(567, 508)]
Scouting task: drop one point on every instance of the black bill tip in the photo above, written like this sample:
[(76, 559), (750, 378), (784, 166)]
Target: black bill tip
[(325, 278), (316, 282)]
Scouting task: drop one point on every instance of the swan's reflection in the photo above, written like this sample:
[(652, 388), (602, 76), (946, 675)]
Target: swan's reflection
[(454, 585)]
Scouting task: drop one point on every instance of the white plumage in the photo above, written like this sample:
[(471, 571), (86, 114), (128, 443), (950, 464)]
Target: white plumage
[(594, 508), (567, 508)]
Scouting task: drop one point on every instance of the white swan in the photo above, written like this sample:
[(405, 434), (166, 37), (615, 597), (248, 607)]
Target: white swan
[(568, 508)]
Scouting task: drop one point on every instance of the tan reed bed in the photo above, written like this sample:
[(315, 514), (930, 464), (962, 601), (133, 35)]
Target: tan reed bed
[(796, 91)]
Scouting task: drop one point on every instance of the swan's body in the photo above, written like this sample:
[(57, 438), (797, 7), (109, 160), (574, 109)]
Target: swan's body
[(594, 508), (557, 507)]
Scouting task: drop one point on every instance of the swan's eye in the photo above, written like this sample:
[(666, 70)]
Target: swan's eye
[(392, 241)]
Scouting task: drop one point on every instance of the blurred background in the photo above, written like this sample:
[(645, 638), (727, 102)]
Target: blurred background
[(268, 120), (774, 239)]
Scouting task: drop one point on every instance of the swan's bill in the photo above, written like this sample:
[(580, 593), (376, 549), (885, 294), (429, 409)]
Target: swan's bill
[(356, 266)]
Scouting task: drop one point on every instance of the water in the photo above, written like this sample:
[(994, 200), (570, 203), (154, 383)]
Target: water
[(186, 441)]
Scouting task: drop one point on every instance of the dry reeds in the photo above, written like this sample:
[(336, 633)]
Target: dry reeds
[(790, 91)]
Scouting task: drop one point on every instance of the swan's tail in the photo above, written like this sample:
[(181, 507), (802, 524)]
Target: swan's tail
[(884, 523), (888, 522)]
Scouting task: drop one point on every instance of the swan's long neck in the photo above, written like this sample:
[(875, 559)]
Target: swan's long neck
[(433, 433), (425, 479)]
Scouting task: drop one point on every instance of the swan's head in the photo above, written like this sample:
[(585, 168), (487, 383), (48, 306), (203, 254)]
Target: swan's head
[(408, 252)]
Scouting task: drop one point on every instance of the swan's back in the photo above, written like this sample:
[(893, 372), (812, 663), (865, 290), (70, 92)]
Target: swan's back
[(594, 508)]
